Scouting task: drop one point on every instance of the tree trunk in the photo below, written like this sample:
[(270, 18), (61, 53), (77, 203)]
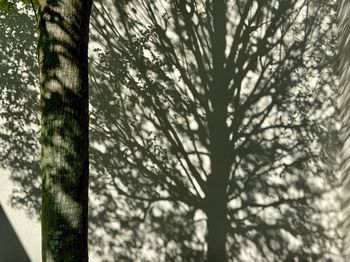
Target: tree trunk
[(63, 61), (216, 197), (344, 105)]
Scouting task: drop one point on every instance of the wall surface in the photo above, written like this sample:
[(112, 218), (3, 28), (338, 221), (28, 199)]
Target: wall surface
[(19, 234)]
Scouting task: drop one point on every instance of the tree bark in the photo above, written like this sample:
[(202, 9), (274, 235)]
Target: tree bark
[(216, 197), (63, 48), (344, 102)]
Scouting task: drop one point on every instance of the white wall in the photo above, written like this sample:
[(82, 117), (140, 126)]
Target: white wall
[(27, 229)]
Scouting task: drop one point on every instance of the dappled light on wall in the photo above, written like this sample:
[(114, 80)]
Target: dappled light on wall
[(160, 109)]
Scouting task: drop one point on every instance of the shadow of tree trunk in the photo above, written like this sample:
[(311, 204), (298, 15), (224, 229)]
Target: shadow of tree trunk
[(126, 223)]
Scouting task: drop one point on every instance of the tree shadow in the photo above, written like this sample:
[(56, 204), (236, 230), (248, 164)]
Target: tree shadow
[(19, 110), (134, 217), (144, 108)]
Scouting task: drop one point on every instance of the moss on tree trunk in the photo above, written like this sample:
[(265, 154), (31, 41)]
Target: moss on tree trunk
[(63, 61)]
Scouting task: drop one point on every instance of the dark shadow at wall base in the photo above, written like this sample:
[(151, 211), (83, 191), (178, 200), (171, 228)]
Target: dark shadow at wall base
[(11, 249)]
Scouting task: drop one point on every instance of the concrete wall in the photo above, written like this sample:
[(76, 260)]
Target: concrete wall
[(19, 234)]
